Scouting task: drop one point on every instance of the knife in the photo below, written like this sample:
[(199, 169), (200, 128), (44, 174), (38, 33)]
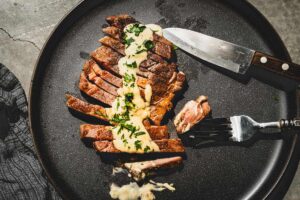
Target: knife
[(230, 56)]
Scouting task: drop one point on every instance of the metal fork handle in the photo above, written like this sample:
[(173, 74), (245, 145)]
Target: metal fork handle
[(289, 124), (282, 124)]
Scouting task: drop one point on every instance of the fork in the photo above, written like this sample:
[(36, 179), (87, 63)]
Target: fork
[(236, 128)]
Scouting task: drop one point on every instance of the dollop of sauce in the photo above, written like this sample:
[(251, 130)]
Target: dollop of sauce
[(129, 109), (133, 191)]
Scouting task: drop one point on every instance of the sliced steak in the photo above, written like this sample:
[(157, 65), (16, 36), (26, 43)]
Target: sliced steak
[(94, 91), (86, 108), (120, 21), (165, 145), (114, 44), (95, 132), (97, 80), (192, 113), (105, 75), (117, 34), (139, 170), (159, 48), (101, 132), (113, 32), (107, 58)]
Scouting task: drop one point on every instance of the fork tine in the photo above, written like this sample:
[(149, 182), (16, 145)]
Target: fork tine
[(216, 121), (212, 132), (210, 127)]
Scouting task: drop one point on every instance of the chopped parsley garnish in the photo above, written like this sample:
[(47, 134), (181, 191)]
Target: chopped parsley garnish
[(128, 41), (136, 134), (146, 149), (97, 112), (138, 144), (125, 141), (117, 118), (140, 51), (129, 78), (148, 44), (118, 104), (136, 29), (129, 127), (131, 65)]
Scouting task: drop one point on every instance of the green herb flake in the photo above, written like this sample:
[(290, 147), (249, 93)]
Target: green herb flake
[(174, 47), (131, 65), (128, 41), (117, 118), (125, 141), (128, 78), (148, 44), (147, 148), (138, 144), (136, 29), (97, 112), (140, 51), (139, 133)]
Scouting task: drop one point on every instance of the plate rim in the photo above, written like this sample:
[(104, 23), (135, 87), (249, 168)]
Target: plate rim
[(285, 177)]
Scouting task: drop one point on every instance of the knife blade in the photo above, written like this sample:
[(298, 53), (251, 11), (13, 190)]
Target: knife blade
[(230, 56)]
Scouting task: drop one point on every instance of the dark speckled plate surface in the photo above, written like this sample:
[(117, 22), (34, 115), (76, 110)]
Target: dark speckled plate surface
[(261, 169)]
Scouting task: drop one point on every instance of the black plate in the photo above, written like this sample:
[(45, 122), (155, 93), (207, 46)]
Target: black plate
[(262, 169)]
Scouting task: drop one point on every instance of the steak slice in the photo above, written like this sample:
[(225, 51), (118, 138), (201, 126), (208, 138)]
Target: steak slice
[(95, 132), (192, 113), (113, 32), (165, 145), (97, 80), (113, 43), (107, 58), (158, 111), (94, 91), (120, 21), (139, 170), (86, 108), (105, 75), (102, 132)]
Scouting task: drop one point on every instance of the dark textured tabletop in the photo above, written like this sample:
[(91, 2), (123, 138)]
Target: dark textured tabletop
[(25, 25)]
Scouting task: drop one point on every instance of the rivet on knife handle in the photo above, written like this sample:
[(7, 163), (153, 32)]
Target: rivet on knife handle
[(287, 69)]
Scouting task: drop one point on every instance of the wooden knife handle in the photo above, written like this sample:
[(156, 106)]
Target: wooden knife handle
[(287, 69)]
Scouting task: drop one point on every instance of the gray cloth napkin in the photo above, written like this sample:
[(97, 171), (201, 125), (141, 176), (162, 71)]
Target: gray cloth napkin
[(21, 176)]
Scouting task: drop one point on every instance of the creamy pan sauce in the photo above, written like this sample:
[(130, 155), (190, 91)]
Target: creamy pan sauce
[(129, 110)]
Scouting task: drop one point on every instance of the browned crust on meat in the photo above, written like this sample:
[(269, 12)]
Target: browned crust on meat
[(120, 21), (97, 80), (105, 75), (94, 91), (102, 132), (161, 39), (165, 145), (86, 108), (113, 43), (162, 49), (113, 32), (107, 58), (95, 132)]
